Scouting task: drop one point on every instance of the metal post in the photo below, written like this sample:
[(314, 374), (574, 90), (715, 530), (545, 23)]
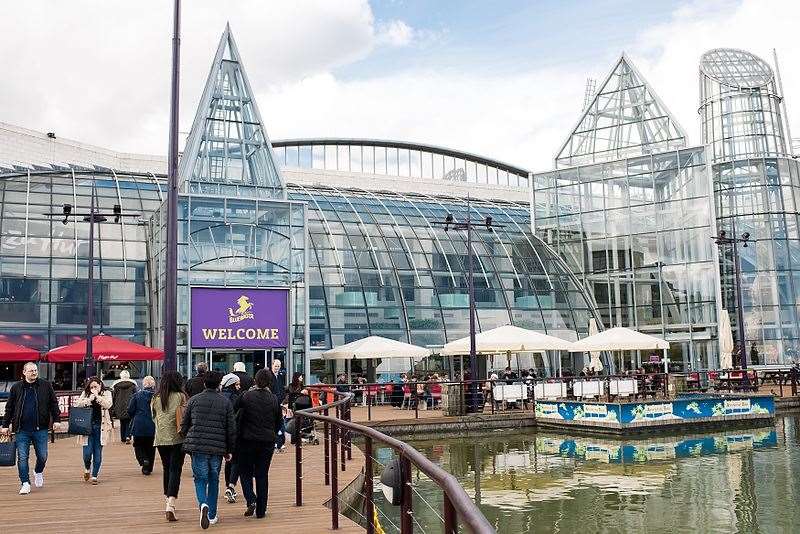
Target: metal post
[(450, 517), (298, 463), (416, 402), (473, 358), (334, 478), (370, 400), (171, 289), (88, 358), (326, 441), (368, 490), (406, 507), (349, 434), (739, 309)]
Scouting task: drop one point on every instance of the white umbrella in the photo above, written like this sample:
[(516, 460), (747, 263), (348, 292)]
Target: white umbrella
[(508, 338), (619, 338), (594, 363), (725, 341), (376, 347)]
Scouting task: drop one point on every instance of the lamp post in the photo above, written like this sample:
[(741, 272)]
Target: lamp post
[(171, 289), (723, 239), (92, 217), (469, 225)]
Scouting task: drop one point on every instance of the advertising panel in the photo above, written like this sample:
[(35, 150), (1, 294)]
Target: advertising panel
[(240, 318)]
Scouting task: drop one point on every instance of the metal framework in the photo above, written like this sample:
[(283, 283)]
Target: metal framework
[(624, 119), (228, 142)]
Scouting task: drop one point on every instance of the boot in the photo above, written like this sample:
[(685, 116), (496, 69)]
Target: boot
[(169, 512)]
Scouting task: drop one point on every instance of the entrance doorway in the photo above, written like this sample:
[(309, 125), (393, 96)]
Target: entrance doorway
[(254, 360)]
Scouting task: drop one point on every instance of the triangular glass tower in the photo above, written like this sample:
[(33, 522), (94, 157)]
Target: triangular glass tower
[(228, 143), (624, 119)]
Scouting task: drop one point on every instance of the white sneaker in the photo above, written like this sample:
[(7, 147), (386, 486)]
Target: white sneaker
[(38, 479), (213, 521), (25, 488), (204, 522)]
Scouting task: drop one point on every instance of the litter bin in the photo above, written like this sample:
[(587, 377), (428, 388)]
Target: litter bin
[(453, 399)]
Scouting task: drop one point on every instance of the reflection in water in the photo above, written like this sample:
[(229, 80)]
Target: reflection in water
[(737, 481)]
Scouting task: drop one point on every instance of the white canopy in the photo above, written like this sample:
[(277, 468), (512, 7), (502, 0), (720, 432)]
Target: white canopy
[(375, 347), (725, 341), (619, 339), (508, 338)]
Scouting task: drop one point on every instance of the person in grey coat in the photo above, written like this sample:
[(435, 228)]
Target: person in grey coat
[(209, 428)]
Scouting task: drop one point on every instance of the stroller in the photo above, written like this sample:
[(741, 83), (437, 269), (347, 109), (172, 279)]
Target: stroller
[(307, 432)]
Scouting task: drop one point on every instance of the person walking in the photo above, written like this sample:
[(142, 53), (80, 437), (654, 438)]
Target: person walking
[(143, 429), (231, 390), (197, 384), (260, 420), (124, 389), (167, 407), (240, 370), (278, 386), (99, 399), (210, 434), (30, 408)]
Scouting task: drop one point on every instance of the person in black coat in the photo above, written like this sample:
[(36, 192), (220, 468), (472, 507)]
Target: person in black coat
[(197, 384), (143, 429), (31, 406), (245, 380), (210, 431), (260, 421)]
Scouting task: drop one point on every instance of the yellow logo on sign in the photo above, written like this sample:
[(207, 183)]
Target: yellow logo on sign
[(242, 312)]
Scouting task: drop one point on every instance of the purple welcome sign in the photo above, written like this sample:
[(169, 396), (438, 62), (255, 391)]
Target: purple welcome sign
[(238, 318)]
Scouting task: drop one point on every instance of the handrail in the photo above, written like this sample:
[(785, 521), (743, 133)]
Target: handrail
[(454, 492)]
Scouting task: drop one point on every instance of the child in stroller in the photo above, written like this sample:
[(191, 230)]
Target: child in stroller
[(306, 433)]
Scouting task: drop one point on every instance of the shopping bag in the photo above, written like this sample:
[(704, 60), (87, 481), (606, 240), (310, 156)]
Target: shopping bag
[(80, 421), (8, 451)]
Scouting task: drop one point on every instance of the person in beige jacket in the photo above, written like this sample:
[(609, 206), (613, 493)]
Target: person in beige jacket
[(97, 397), (167, 408)]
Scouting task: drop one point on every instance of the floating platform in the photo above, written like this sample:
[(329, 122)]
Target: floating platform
[(686, 411)]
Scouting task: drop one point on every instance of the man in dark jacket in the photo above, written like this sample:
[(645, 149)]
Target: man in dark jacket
[(143, 429), (210, 431), (278, 386), (123, 391), (31, 405), (197, 384), (245, 380), (261, 419)]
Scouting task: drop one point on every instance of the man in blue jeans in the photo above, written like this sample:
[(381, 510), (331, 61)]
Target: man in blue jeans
[(31, 406), (210, 431)]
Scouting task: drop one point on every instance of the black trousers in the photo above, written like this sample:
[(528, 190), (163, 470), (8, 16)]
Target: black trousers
[(144, 450), (232, 470), (124, 429), (172, 457), (254, 461)]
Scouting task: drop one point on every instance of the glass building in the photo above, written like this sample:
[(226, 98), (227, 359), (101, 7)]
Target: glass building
[(620, 231)]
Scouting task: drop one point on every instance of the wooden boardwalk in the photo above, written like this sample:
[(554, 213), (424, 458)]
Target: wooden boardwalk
[(126, 499)]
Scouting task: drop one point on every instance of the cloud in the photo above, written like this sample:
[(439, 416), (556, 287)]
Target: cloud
[(99, 72)]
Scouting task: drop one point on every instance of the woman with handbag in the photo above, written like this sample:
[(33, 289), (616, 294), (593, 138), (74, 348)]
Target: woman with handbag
[(98, 398), (167, 408)]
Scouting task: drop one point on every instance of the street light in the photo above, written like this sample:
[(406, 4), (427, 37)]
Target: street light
[(723, 239), (468, 225), (92, 217)]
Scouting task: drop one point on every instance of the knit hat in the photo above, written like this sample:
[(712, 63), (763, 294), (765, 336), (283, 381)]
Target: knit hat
[(229, 380), (239, 367)]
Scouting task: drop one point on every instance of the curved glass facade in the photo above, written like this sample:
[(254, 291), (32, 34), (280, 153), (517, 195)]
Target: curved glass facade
[(382, 264), (391, 158)]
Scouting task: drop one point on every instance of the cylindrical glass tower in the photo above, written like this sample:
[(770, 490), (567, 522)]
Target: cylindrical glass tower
[(740, 106), (756, 185)]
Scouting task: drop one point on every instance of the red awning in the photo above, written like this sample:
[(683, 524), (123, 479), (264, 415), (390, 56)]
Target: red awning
[(9, 352), (104, 348)]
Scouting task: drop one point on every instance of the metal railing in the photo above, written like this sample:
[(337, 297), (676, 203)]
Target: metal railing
[(339, 430)]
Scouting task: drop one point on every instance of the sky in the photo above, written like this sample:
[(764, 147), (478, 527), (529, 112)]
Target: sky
[(505, 80)]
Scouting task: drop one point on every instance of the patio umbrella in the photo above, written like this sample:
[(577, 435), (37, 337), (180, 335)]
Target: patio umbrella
[(376, 347), (104, 348), (9, 352), (594, 363), (620, 338), (508, 338), (725, 341)]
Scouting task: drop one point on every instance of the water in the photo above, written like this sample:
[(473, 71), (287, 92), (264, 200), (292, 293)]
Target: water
[(531, 482)]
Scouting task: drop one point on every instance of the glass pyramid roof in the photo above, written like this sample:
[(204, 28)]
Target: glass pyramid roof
[(625, 118)]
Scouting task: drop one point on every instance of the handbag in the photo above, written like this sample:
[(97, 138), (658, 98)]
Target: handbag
[(80, 420), (8, 451)]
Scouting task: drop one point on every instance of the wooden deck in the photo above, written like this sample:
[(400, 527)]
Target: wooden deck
[(127, 499)]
